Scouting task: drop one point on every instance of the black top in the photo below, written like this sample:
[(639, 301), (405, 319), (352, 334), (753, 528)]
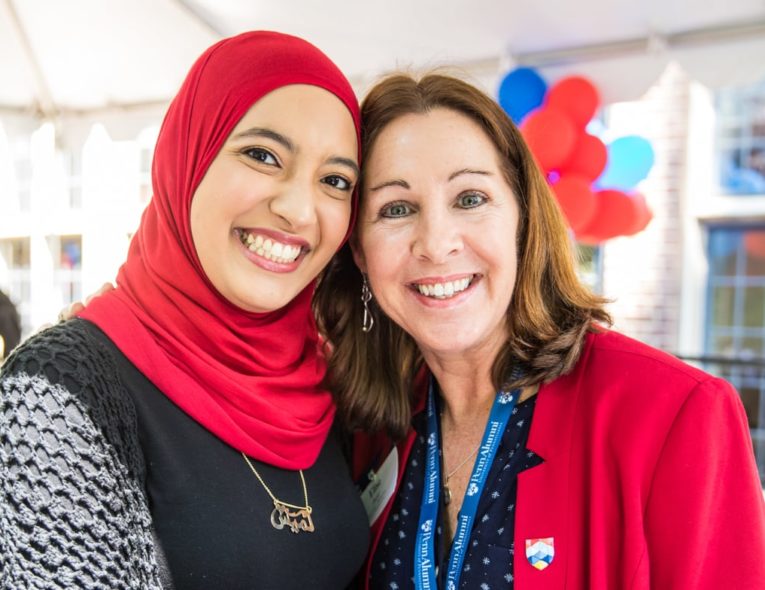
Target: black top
[(488, 562), (212, 515)]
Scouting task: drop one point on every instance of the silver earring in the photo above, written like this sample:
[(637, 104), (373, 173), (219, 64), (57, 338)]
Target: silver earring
[(368, 321)]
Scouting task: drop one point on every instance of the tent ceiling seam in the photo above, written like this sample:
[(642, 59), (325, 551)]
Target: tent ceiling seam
[(200, 16), (45, 100), (648, 44)]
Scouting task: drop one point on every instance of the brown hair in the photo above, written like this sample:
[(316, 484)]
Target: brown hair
[(550, 312)]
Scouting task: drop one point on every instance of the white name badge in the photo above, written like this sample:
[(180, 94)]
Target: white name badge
[(381, 487)]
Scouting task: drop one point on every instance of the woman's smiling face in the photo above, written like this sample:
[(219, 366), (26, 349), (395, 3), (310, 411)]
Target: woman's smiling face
[(275, 203), (437, 232)]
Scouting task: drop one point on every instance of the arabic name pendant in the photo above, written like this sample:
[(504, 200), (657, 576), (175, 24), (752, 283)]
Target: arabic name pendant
[(297, 520)]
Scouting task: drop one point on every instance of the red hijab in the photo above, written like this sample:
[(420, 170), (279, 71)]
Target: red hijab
[(253, 380)]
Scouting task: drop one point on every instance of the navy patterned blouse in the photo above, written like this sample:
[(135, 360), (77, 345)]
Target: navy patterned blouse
[(489, 561)]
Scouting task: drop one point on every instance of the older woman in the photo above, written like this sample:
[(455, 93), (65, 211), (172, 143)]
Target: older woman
[(178, 433), (528, 445)]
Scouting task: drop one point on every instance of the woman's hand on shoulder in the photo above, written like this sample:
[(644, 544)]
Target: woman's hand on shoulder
[(72, 310)]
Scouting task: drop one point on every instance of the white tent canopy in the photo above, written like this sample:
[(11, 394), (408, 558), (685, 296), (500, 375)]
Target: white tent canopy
[(63, 58), (59, 58)]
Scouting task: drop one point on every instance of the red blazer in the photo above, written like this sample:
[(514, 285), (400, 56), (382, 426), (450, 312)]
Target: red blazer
[(648, 480)]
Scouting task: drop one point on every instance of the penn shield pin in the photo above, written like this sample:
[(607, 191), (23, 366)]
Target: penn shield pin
[(540, 552)]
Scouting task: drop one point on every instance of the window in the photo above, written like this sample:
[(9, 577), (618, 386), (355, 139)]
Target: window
[(23, 173), (67, 278), (144, 174), (15, 260), (73, 168), (735, 327), (590, 266), (741, 140)]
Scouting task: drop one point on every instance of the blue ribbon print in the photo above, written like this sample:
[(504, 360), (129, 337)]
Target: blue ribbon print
[(424, 558)]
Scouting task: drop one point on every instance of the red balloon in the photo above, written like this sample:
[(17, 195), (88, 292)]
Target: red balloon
[(595, 232), (588, 157), (616, 213), (643, 215), (550, 135), (575, 96), (589, 240), (576, 199)]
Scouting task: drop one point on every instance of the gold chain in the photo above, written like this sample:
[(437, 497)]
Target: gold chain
[(465, 460), (270, 493)]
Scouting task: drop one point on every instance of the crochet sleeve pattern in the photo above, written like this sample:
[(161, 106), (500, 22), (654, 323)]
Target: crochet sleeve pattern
[(73, 513)]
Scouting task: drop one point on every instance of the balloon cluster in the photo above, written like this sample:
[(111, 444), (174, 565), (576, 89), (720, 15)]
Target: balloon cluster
[(594, 183)]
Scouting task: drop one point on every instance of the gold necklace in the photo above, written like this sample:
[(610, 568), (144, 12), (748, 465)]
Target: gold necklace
[(447, 491), (298, 518)]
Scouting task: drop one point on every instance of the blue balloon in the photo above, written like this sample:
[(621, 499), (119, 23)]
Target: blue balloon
[(630, 159), (520, 92)]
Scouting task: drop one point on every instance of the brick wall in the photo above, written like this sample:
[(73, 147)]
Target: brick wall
[(642, 274)]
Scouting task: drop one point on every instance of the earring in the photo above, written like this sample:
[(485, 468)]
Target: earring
[(368, 320)]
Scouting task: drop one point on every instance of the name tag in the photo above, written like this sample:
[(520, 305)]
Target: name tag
[(381, 486)]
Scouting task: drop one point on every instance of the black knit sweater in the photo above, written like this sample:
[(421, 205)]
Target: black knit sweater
[(104, 483)]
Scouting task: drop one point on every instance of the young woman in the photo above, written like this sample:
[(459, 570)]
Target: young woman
[(537, 449), (178, 434)]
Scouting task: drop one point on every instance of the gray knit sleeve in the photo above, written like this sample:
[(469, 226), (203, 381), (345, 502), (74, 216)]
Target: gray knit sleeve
[(72, 510)]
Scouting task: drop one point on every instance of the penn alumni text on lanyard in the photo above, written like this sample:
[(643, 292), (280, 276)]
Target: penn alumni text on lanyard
[(424, 557)]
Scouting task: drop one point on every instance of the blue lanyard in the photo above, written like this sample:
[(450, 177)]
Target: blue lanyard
[(424, 553)]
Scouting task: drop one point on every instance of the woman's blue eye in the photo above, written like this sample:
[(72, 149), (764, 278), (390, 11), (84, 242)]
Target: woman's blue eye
[(338, 182), (261, 155), (395, 210), (470, 200)]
